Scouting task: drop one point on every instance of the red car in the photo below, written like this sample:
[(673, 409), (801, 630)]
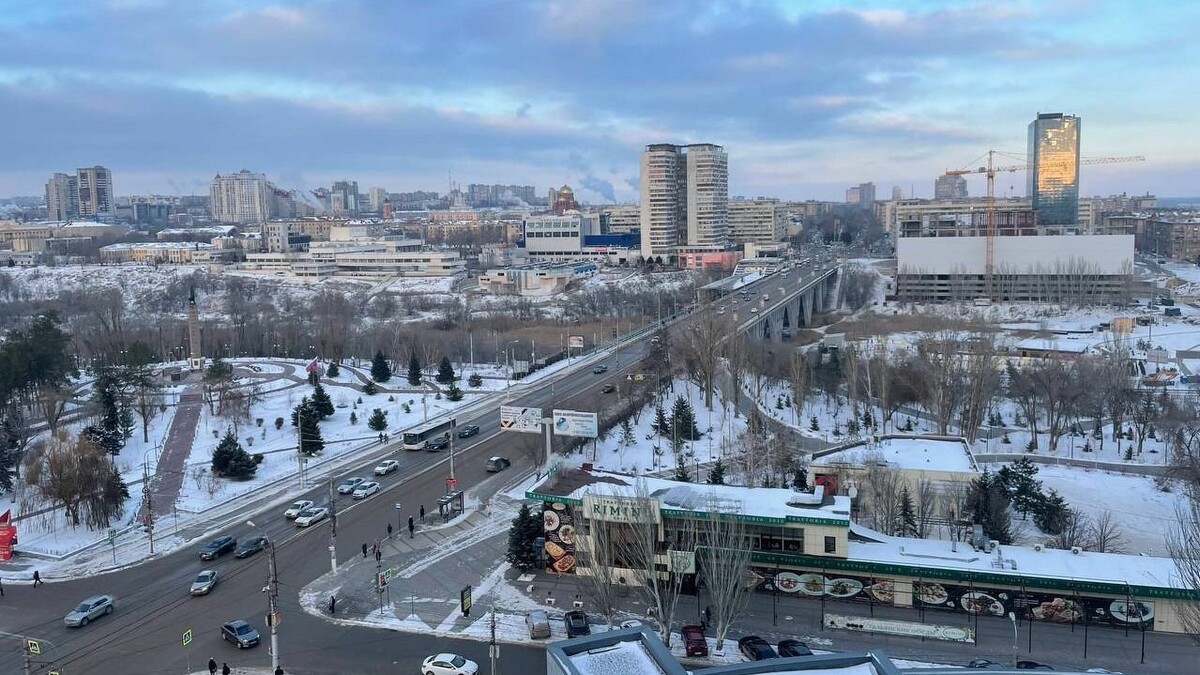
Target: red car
[(694, 641)]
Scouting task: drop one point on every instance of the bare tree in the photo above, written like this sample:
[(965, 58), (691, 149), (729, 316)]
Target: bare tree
[(702, 345), (1076, 533), (881, 486), (981, 382), (800, 380), (943, 385), (52, 402), (927, 500), (723, 557), (1106, 535), (597, 557), (1183, 545)]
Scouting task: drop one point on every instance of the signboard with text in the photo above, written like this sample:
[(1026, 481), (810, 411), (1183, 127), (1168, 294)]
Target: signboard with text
[(575, 341), (518, 418), (576, 423)]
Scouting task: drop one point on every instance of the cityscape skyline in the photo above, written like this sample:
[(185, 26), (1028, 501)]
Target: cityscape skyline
[(807, 98)]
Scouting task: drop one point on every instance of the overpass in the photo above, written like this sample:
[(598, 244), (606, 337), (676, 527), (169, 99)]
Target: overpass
[(785, 301)]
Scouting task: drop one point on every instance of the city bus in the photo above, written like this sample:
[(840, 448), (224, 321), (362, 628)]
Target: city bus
[(414, 439)]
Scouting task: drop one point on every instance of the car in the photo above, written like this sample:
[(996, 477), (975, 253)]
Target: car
[(251, 546), (754, 310), (312, 515), (756, 648), (204, 582), (296, 507), (448, 664), (386, 466), (600, 369), (438, 444), (721, 311), (347, 486), (607, 389), (791, 647), (694, 642), (495, 464), (985, 664), (366, 489), (1032, 665), (89, 610), (218, 547), (240, 633), (577, 623), (468, 430), (538, 623)]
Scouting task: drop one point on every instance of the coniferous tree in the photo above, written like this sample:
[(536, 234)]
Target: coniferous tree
[(6, 467), (681, 474), (454, 393), (683, 420), (661, 425), (369, 388), (627, 437), (126, 423), (353, 417), (414, 370), (445, 371), (990, 507), (321, 402), (307, 420), (526, 528), (475, 380), (334, 370), (377, 421), (1051, 514), (231, 460), (1024, 489), (908, 515), (381, 371), (716, 473)]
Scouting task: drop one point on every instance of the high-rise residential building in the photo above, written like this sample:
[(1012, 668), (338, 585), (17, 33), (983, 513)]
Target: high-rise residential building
[(242, 197), (95, 194), (62, 197), (343, 198), (1052, 180), (756, 221), (375, 197), (621, 218), (897, 193), (950, 187), (862, 195), (685, 198)]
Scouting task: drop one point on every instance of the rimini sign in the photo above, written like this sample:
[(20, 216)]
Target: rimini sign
[(618, 510)]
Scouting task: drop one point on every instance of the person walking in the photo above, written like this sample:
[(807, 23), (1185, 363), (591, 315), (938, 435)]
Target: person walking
[(1, 588), (708, 615), (225, 668), (422, 513), (279, 670), (364, 549), (332, 604), (37, 579), (212, 667), (389, 530), (378, 555), (410, 527)]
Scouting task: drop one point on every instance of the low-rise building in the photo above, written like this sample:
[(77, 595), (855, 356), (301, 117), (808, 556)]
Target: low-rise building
[(374, 259), (537, 280), (176, 252)]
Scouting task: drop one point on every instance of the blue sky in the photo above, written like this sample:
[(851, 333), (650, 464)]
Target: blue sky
[(807, 97)]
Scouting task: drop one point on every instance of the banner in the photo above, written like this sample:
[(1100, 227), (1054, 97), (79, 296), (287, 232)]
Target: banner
[(575, 342), (312, 366), (517, 418), (558, 521), (576, 423), (8, 535), (893, 627)]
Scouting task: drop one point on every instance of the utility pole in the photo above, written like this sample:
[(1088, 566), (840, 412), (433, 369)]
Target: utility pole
[(453, 434), (272, 591), (333, 527), (493, 648), (148, 502)]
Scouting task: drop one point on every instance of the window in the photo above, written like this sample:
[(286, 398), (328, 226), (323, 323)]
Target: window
[(831, 544)]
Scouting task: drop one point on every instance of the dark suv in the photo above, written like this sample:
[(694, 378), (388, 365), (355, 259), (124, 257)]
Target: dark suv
[(218, 546), (577, 624), (694, 642), (251, 546)]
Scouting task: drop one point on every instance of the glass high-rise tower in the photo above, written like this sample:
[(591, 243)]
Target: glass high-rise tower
[(1053, 176)]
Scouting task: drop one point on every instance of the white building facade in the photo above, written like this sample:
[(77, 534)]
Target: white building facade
[(242, 197)]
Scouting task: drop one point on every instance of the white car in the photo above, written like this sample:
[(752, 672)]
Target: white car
[(311, 515), (754, 310), (386, 466), (347, 486), (448, 664), (365, 490), (296, 507)]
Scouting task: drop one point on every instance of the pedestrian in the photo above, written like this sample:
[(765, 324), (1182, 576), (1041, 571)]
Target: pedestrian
[(37, 578), (410, 527), (374, 549), (332, 604), (1, 588), (422, 513), (707, 614), (278, 670), (389, 530), (224, 668), (378, 555), (212, 667), (364, 549)]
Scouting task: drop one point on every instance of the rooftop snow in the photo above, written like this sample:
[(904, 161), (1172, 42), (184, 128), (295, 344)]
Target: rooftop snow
[(623, 658), (907, 453)]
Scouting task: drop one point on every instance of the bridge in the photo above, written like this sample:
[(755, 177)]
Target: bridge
[(784, 301)]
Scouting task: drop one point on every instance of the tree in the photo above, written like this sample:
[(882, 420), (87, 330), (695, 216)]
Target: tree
[(627, 437), (126, 423), (353, 417), (414, 370), (661, 426), (218, 380), (307, 421), (1052, 514), (369, 388), (147, 395), (231, 460), (7, 453), (334, 370), (381, 371), (1181, 546), (445, 373), (908, 516), (702, 349), (321, 402), (1075, 531), (1024, 490), (108, 441), (723, 559), (377, 421), (716, 473), (475, 380), (108, 414), (79, 476), (989, 504), (454, 393), (596, 558), (522, 538), (683, 420), (1105, 535)]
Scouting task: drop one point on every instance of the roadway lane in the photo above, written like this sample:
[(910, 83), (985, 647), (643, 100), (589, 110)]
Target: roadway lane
[(154, 608)]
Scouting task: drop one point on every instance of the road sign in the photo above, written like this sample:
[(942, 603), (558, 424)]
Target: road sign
[(112, 534), (381, 580), (517, 418), (187, 637), (451, 483), (464, 600), (576, 423), (35, 648), (398, 506), (274, 619)]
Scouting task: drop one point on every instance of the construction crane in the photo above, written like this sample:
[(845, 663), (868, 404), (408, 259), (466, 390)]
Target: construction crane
[(991, 170)]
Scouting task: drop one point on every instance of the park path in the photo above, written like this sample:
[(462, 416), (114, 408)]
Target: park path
[(172, 461)]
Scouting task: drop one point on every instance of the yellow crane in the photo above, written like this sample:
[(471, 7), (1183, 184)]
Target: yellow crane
[(991, 170)]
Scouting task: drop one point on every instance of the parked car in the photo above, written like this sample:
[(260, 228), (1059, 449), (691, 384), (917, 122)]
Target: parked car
[(365, 490), (576, 622), (448, 664), (1032, 665), (312, 515), (468, 430), (607, 389), (986, 664), (240, 633), (600, 369), (438, 444), (538, 623), (386, 466), (791, 647), (204, 582), (495, 464), (89, 610), (251, 546), (218, 547), (296, 507), (347, 486), (694, 642), (756, 648)]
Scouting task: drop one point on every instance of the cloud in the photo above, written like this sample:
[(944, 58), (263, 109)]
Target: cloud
[(599, 186)]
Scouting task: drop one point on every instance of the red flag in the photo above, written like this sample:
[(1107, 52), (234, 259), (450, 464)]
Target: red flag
[(5, 517), (311, 367)]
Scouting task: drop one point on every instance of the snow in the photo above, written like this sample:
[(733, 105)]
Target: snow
[(909, 453), (627, 657)]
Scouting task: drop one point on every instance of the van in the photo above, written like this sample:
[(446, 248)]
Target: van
[(1172, 311), (538, 623)]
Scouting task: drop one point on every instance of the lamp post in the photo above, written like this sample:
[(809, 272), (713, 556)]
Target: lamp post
[(1013, 618), (147, 497), (272, 591), (508, 360)]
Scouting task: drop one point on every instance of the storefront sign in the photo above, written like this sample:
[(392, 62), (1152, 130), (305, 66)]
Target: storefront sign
[(893, 627), (558, 521), (621, 510)]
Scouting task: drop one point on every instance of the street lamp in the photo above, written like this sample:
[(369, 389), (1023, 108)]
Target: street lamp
[(272, 591), (1013, 618), (510, 361)]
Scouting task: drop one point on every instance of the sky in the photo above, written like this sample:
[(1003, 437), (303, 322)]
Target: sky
[(808, 97)]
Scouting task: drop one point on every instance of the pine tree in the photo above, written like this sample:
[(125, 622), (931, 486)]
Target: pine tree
[(414, 370), (681, 474), (1051, 514), (321, 402), (353, 417), (126, 423), (6, 468), (475, 380), (716, 473), (1024, 489), (369, 388), (381, 371), (683, 420), (990, 507), (445, 371), (454, 393), (908, 516), (813, 425), (627, 437), (307, 420), (334, 370), (231, 460), (661, 425), (526, 528), (377, 421), (110, 441)]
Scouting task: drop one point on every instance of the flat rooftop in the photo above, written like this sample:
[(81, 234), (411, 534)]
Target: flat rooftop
[(907, 453)]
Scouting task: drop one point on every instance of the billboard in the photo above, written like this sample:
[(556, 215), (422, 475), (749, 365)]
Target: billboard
[(576, 423), (518, 418), (558, 520), (575, 341)]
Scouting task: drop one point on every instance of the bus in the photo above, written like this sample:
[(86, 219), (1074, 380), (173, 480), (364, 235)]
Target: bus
[(414, 439)]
